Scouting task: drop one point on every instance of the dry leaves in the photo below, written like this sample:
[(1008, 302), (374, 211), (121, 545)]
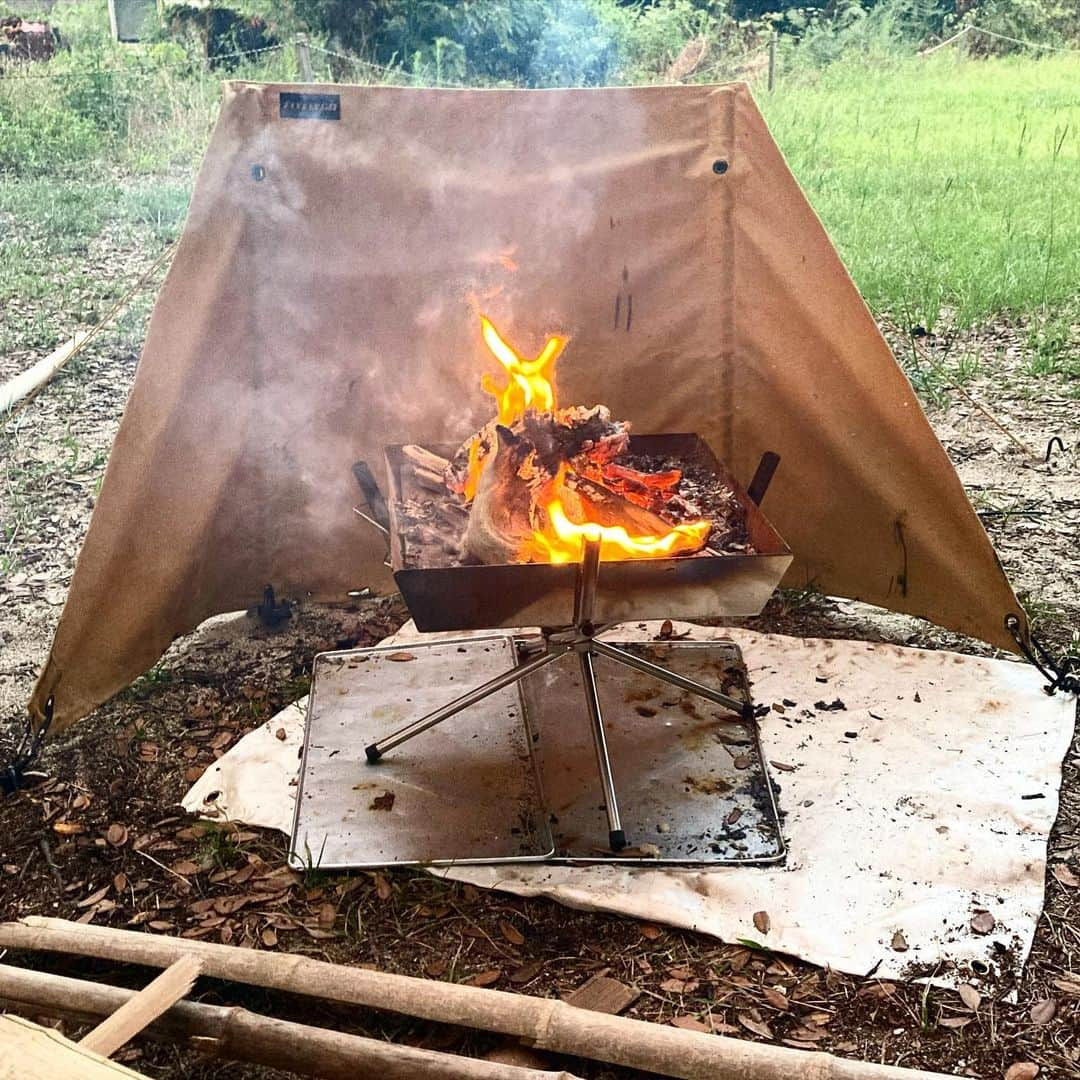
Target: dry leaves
[(782, 766), (970, 997), (899, 942), (650, 932), (1065, 875), (511, 933), (1042, 1012), (982, 922), (758, 1027), (762, 922), (484, 978), (775, 998), (401, 657), (382, 887), (117, 834), (691, 1023), (68, 828), (1022, 1070)]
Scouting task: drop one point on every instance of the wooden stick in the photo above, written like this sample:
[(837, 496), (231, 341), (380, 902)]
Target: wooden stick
[(425, 459), (550, 1024), (36, 1053), (37, 375), (238, 1035), (144, 1007)]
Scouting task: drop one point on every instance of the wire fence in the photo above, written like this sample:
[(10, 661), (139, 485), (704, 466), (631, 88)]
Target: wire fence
[(396, 74)]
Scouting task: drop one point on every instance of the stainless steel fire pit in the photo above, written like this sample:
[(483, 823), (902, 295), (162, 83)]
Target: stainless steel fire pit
[(540, 594), (573, 602)]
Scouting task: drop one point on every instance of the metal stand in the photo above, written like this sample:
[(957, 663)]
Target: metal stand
[(580, 639)]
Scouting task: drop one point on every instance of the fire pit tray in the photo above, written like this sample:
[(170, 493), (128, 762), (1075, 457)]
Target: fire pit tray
[(492, 784), (540, 594), (466, 793), (692, 781)]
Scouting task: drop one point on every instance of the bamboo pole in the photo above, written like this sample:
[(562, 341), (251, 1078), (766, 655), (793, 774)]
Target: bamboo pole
[(238, 1035), (36, 376), (549, 1024)]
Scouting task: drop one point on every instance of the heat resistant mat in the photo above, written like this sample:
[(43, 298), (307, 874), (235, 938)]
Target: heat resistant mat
[(465, 791)]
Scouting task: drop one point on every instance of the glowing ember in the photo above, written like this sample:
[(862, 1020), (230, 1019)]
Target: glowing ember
[(566, 540)]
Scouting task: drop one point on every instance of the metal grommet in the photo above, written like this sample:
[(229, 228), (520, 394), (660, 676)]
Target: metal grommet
[(258, 173), (719, 166)]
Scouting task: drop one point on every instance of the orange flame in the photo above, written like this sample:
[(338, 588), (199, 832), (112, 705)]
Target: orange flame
[(531, 384), (564, 540)]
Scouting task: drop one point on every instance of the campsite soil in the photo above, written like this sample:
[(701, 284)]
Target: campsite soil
[(102, 838)]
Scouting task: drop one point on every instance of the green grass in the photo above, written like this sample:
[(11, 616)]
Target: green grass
[(950, 186)]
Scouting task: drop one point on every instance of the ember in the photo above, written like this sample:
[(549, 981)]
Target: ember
[(538, 480)]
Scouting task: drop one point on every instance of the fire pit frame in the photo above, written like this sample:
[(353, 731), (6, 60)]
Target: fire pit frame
[(581, 639), (510, 595)]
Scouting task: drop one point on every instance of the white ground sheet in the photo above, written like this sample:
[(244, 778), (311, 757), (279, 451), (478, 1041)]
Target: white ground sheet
[(925, 801)]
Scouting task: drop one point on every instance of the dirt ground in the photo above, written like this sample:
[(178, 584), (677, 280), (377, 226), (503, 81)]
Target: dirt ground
[(102, 839)]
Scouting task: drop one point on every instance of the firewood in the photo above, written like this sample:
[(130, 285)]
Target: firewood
[(425, 459), (551, 1024), (500, 520), (605, 507)]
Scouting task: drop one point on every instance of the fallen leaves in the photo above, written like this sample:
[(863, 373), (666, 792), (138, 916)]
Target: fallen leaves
[(484, 978), (1022, 1070), (116, 835), (691, 1023), (982, 922), (899, 942), (775, 998), (970, 996), (511, 933), (650, 932), (762, 922), (68, 828), (1042, 1012), (1065, 876), (401, 657), (758, 1027), (783, 766)]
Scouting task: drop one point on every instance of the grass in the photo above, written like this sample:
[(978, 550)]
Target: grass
[(951, 186)]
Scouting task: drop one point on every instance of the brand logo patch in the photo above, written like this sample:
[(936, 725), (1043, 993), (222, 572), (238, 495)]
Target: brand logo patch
[(310, 106)]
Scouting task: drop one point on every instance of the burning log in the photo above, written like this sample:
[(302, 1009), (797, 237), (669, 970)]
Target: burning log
[(500, 521)]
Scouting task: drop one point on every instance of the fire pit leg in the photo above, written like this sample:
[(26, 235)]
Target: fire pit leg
[(492, 686), (616, 835), (745, 709)]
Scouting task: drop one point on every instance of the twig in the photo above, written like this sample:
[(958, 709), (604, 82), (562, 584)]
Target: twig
[(939, 370), (43, 843)]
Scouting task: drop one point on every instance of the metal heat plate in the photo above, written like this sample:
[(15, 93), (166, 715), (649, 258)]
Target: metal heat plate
[(689, 775), (466, 791)]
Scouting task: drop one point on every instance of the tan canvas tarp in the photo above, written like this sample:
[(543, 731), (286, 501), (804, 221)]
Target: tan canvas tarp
[(322, 304)]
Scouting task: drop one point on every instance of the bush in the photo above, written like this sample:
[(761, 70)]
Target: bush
[(38, 134)]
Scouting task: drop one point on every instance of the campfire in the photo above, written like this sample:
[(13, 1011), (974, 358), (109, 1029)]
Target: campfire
[(539, 480)]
